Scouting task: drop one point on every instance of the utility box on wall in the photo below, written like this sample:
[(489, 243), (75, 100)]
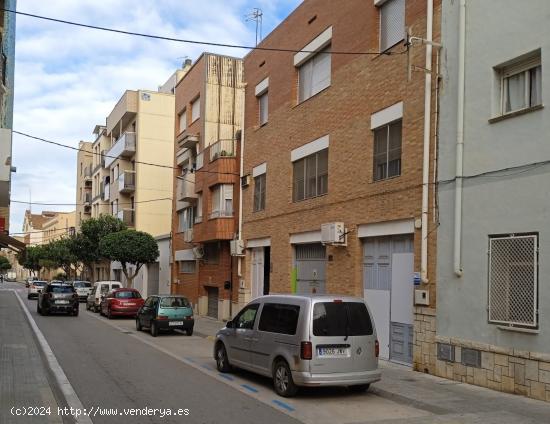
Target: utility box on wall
[(422, 297), (333, 233)]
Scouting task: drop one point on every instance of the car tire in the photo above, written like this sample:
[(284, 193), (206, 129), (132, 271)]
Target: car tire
[(359, 388), (138, 325), (154, 329), (282, 380), (45, 311), (87, 306), (38, 309), (96, 309), (222, 361), (28, 296), (109, 313), (189, 331)]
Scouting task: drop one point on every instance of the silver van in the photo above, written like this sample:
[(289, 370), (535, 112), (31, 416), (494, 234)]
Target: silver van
[(302, 341)]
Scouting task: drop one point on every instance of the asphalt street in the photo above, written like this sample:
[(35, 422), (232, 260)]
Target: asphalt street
[(110, 370)]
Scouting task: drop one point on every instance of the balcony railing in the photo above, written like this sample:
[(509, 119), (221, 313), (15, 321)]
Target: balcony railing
[(188, 235), (186, 187), (221, 213), (198, 219), (127, 182), (126, 216), (87, 199), (125, 146), (223, 148), (199, 161)]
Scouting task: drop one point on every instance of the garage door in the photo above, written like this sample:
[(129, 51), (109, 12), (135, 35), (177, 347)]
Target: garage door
[(311, 264), (212, 293)]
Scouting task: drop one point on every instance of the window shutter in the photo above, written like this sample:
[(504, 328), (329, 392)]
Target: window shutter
[(392, 23), (196, 109)]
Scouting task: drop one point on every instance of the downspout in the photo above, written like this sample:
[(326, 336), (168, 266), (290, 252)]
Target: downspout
[(241, 174), (459, 139), (426, 155)]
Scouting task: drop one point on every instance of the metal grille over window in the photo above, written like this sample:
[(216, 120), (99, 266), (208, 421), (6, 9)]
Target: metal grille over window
[(513, 280)]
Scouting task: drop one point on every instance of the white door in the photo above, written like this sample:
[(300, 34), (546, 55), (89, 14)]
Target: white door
[(257, 270), (402, 307)]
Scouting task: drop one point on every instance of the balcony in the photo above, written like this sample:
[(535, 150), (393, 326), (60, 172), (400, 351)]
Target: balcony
[(124, 147), (87, 199), (88, 173), (127, 182), (185, 187), (221, 213), (126, 216), (107, 192), (123, 112), (199, 161), (184, 156), (187, 141), (223, 148)]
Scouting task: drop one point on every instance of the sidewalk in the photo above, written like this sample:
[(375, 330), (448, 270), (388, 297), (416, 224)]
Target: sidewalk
[(449, 401), (23, 381)]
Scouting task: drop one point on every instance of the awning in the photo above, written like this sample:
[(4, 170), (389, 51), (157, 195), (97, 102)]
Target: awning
[(11, 243)]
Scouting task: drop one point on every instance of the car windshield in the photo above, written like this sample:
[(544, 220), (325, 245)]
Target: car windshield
[(60, 289), (174, 302), (39, 283), (81, 284), (334, 319), (130, 294)]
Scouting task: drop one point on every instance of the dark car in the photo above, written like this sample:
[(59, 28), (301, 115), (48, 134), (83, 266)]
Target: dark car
[(166, 312), (58, 297), (121, 302)]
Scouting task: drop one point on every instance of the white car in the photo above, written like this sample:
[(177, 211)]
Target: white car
[(99, 290), (35, 288), (83, 289)]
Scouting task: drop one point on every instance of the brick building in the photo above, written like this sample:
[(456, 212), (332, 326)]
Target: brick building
[(333, 138), (209, 108)]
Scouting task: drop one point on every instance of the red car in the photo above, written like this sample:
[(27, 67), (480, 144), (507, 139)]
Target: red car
[(121, 302)]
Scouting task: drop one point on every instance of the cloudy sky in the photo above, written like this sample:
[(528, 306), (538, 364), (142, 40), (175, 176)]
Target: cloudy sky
[(67, 79)]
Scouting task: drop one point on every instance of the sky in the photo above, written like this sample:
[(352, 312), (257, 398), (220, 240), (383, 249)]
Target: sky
[(68, 79)]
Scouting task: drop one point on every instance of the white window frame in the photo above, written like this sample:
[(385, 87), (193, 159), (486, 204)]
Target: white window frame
[(260, 182), (195, 109), (312, 61), (198, 214), (387, 126), (186, 219), (510, 323), (263, 108), (222, 195), (521, 67), (182, 119)]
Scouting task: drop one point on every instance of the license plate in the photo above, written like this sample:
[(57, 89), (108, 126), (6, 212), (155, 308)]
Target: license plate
[(62, 302), (332, 351), (175, 323), (129, 304)]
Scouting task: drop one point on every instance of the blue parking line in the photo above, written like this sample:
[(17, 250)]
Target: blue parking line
[(283, 405), (207, 367), (190, 360), (227, 377), (249, 388)]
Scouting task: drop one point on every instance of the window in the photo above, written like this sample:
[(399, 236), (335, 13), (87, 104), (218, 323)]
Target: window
[(263, 101), (186, 219), (175, 302), (392, 23), (259, 192), (198, 210), (211, 253), (513, 280), (314, 75), (127, 294), (222, 201), (311, 176), (521, 85), (279, 318), (196, 109), (187, 267), (246, 317), (387, 151), (183, 120), (342, 319)]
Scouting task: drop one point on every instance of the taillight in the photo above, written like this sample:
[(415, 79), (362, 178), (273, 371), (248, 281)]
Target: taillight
[(306, 351), (376, 348), (162, 317)]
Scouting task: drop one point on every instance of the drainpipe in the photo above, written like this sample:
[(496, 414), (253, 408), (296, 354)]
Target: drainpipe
[(241, 173), (459, 139), (426, 155)]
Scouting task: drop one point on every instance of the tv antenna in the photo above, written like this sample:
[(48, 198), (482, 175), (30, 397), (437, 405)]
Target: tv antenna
[(256, 15)]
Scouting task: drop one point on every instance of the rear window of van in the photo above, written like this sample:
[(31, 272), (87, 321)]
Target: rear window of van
[(335, 319), (279, 318)]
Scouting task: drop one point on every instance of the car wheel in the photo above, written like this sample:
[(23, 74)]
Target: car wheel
[(28, 296), (358, 388), (222, 362), (282, 380), (154, 329), (109, 313), (189, 331), (38, 310), (75, 313), (45, 311), (87, 306), (138, 325)]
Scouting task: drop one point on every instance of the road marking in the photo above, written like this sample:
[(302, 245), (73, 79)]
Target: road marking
[(227, 377), (206, 367), (66, 388), (283, 405), (249, 388)]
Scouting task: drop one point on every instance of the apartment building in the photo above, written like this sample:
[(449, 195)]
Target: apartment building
[(57, 226), (209, 109), (338, 142), (33, 224), (493, 320), (7, 62), (84, 161)]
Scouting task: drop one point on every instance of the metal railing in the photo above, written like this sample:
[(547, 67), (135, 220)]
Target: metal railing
[(126, 216), (127, 181), (223, 148), (199, 161), (124, 146)]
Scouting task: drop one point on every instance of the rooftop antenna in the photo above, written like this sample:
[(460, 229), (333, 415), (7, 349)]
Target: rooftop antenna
[(256, 15)]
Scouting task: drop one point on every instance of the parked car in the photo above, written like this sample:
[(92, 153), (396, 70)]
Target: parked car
[(302, 341), (58, 297), (83, 289), (121, 302), (168, 312), (100, 288), (35, 287), (29, 281)]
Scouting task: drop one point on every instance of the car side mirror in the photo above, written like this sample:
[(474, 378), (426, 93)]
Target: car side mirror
[(229, 324)]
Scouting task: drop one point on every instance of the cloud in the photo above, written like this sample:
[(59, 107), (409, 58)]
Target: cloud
[(68, 79)]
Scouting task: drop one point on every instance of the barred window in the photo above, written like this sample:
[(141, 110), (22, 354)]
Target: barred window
[(311, 176), (513, 280)]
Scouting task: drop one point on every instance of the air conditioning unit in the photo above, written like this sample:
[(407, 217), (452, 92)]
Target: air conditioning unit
[(237, 247), (333, 233), (422, 297), (198, 252), (245, 181)]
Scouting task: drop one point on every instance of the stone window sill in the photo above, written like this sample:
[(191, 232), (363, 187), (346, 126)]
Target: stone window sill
[(515, 113), (518, 329)]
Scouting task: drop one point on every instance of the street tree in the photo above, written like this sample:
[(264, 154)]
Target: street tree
[(59, 254), (31, 258), (130, 247), (4, 264)]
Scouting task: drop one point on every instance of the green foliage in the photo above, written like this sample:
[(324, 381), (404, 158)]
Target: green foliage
[(91, 232), (4, 263), (31, 257)]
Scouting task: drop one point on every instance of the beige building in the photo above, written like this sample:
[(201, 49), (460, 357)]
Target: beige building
[(60, 225), (100, 174), (84, 182)]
